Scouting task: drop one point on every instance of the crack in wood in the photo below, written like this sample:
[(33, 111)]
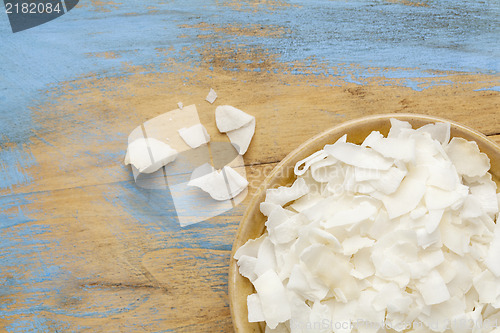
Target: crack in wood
[(120, 285)]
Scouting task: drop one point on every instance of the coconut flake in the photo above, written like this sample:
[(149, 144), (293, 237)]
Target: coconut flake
[(487, 196), (194, 136), (487, 286), (436, 198), (246, 265), (354, 244), (149, 155), (325, 170), (305, 284), (397, 127), (273, 298), (283, 194), (454, 237), (221, 185), (471, 208), (250, 248), (358, 156), (467, 158), (363, 265), (443, 175), (438, 131), (493, 259), (408, 195), (266, 258), (267, 208), (255, 313), (306, 201), (395, 148), (281, 328), (433, 289), (389, 181), (306, 162), (228, 118), (211, 97), (241, 137), (365, 210)]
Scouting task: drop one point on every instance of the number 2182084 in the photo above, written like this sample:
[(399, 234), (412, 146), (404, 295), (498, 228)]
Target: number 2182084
[(32, 8)]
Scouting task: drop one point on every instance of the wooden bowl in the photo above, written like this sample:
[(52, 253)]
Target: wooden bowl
[(252, 225)]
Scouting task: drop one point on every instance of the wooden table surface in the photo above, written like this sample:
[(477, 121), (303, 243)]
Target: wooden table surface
[(82, 248)]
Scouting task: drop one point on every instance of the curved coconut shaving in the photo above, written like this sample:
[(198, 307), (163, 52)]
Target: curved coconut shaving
[(149, 155)]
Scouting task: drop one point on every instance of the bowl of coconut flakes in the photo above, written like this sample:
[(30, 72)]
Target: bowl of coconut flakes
[(382, 224)]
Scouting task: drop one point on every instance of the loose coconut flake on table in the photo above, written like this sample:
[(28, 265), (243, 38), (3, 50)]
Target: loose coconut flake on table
[(195, 135), (222, 184), (399, 231), (149, 155), (238, 125), (211, 97)]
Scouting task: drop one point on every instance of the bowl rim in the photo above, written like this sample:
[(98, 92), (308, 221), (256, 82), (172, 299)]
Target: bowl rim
[(481, 139)]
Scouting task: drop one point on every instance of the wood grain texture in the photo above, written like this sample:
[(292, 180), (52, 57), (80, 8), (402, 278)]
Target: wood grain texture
[(82, 247)]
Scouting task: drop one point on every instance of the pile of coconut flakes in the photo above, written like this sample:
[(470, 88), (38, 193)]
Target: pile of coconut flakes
[(396, 234)]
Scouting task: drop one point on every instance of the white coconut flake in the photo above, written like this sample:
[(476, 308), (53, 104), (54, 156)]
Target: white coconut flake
[(228, 118), (273, 298), (266, 258), (454, 237), (358, 156), (305, 284), (438, 131), (471, 208), (389, 181), (365, 210), (467, 158), (486, 195), (432, 220), (149, 155), (221, 185), (283, 194), (352, 245), (281, 328), (487, 286), (306, 201), (211, 97), (397, 126), (246, 265), (255, 313), (267, 208), (325, 170), (363, 265), (408, 195), (238, 125), (443, 175), (436, 198), (195, 135), (250, 248), (493, 258), (180, 105), (241, 137), (433, 288), (396, 148), (303, 165)]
